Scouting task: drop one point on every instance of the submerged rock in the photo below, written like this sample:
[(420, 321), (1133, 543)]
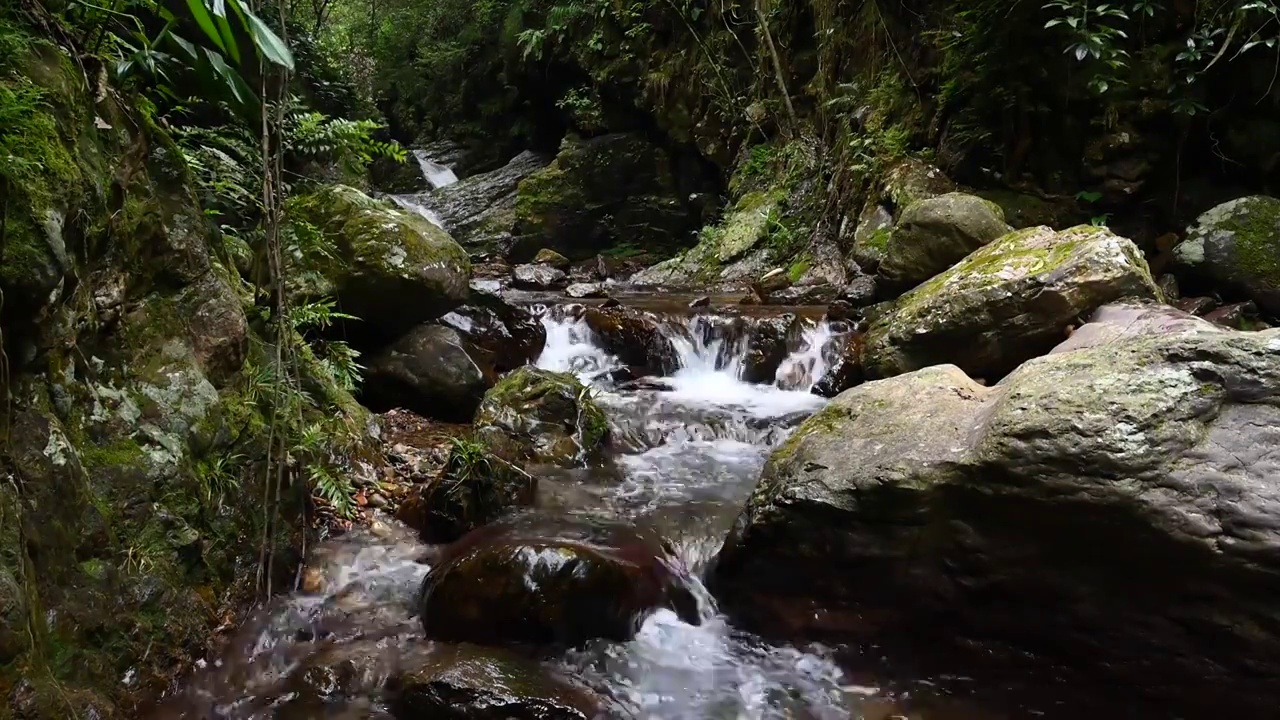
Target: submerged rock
[(1007, 302), (932, 235), (538, 277), (1237, 245), (504, 336), (540, 416), (430, 371), (469, 682), (632, 336), (552, 581), (475, 488), (393, 269), (1110, 505)]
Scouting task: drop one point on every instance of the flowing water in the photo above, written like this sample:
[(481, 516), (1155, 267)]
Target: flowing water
[(687, 456)]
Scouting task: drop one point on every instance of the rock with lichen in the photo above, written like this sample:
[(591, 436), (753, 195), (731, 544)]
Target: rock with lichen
[(933, 234), (1007, 302), (540, 417), (1236, 246)]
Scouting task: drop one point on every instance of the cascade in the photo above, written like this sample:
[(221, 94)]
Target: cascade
[(436, 174)]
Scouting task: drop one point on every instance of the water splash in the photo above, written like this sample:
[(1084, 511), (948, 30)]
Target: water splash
[(571, 346), (413, 204), (802, 369)]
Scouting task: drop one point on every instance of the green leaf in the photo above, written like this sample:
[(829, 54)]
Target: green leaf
[(205, 20), (224, 27), (272, 47), (229, 76), (187, 47)]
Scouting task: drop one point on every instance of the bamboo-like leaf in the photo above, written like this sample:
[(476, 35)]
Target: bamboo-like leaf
[(228, 36), (222, 69), (205, 21), (272, 47)]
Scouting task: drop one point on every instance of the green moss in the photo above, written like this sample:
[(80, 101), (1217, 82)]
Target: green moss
[(1256, 227), (120, 452), (798, 268), (879, 238)]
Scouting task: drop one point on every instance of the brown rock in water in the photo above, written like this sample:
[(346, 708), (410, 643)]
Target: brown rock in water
[(474, 489), (552, 581), (700, 302), (470, 682), (633, 336)]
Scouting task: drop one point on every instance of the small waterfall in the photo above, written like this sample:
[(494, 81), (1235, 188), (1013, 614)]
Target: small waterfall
[(411, 203), (571, 346), (710, 344), (805, 367), (436, 174)]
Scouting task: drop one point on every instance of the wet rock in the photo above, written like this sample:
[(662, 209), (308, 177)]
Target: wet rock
[(547, 256), (632, 336), (645, 384), (219, 331), (610, 303), (860, 292), (539, 416), (1106, 506), (581, 291), (1168, 284), (606, 267), (475, 488), (1238, 316), (772, 281), (1196, 305), (503, 335), (393, 269), (599, 191), (700, 302), (538, 277), (768, 343), (469, 682), (932, 235), (844, 371), (432, 371), (552, 581), (1236, 245), (1006, 303)]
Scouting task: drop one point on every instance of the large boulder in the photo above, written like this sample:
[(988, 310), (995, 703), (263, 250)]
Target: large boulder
[(538, 580), (540, 416), (1009, 301), (392, 269), (470, 682), (432, 371), (474, 488), (502, 336), (601, 191), (479, 211), (538, 277), (1111, 506), (1236, 245), (932, 235)]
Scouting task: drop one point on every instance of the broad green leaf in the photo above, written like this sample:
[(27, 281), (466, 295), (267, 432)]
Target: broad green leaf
[(205, 20), (187, 47), (220, 66), (272, 47), (224, 27)]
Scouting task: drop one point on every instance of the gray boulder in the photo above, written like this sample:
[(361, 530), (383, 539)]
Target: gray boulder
[(1237, 245), (538, 277), (1009, 301), (933, 234), (1113, 506), (432, 371)]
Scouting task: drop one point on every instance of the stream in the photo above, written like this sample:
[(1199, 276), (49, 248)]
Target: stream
[(687, 457)]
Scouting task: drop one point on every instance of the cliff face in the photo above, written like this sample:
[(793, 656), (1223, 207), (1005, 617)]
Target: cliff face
[(135, 399)]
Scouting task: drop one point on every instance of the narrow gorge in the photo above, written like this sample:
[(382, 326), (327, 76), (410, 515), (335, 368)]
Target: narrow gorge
[(596, 359)]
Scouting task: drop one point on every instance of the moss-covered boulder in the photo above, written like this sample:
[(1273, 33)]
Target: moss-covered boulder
[(731, 249), (1007, 302), (1108, 507), (392, 269), (1236, 246), (599, 192), (471, 682), (475, 488), (539, 580), (547, 256), (933, 234), (909, 180), (542, 417), (431, 370), (871, 237)]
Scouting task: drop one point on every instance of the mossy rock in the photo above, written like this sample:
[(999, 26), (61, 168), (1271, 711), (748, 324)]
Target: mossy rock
[(909, 180), (600, 192), (393, 269), (1024, 210), (933, 234), (547, 256), (1237, 245), (474, 489), (1007, 302), (539, 416)]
